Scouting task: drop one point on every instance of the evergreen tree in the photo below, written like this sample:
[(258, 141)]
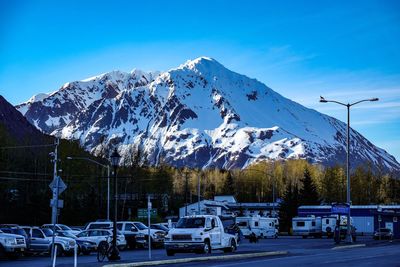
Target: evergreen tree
[(288, 207), (229, 185), (308, 193)]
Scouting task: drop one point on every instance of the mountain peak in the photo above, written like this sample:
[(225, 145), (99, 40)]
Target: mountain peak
[(202, 64), (200, 114)]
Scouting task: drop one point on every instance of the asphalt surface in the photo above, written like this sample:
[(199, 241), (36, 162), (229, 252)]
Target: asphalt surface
[(301, 252)]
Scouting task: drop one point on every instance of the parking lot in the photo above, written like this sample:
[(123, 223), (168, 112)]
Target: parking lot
[(301, 252)]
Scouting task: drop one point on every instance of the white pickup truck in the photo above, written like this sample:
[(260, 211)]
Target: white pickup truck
[(200, 234)]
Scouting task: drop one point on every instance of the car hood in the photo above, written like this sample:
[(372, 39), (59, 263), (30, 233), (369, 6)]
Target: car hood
[(10, 235)]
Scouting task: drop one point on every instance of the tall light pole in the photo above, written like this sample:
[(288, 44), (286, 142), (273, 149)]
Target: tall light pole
[(348, 105), (115, 157), (108, 179)]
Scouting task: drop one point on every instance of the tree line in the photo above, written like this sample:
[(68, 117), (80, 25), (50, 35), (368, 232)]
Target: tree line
[(25, 175)]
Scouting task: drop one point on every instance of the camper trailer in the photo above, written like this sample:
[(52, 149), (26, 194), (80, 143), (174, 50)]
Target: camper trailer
[(262, 227), (307, 226)]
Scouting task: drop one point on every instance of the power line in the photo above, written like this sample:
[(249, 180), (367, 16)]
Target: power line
[(32, 146), (24, 179)]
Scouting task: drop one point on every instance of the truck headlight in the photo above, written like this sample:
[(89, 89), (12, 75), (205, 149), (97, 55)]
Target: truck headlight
[(10, 241)]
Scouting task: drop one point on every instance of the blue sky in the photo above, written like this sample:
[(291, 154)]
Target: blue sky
[(343, 50)]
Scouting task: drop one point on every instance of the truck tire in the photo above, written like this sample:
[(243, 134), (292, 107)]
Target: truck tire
[(232, 247), (206, 247), (2, 252), (170, 252), (304, 236)]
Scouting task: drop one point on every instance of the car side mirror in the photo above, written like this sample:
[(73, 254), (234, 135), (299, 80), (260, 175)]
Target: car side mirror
[(133, 229)]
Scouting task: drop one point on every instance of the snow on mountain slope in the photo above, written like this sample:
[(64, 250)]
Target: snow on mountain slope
[(200, 115)]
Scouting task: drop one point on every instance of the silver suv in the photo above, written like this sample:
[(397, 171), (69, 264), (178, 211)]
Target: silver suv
[(11, 245)]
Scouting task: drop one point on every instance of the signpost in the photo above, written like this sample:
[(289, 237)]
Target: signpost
[(148, 223)]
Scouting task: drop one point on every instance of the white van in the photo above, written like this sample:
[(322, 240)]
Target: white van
[(307, 226), (262, 227)]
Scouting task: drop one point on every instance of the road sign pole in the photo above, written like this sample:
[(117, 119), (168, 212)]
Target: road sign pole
[(148, 222), (55, 198)]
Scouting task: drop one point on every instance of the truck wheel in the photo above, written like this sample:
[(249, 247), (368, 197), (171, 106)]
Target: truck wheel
[(170, 252), (206, 247), (232, 248), (304, 236), (2, 252)]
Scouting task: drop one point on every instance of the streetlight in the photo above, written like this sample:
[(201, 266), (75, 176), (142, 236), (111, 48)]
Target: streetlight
[(348, 105), (108, 180), (115, 157)]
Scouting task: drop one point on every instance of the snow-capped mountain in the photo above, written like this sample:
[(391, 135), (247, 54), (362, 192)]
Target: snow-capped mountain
[(199, 115)]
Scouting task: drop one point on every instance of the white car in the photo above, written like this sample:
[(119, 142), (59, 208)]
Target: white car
[(132, 229), (62, 228), (99, 235)]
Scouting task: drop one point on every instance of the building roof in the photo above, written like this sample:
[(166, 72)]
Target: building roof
[(227, 199)]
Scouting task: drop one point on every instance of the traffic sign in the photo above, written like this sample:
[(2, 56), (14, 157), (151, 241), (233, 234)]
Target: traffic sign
[(61, 185), (60, 203), (142, 213), (340, 209)]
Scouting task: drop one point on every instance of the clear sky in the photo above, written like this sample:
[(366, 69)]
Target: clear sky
[(343, 50)]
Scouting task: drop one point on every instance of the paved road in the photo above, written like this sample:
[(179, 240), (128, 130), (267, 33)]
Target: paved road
[(301, 252)]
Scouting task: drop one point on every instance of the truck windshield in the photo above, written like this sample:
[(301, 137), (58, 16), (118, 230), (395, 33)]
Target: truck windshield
[(190, 223)]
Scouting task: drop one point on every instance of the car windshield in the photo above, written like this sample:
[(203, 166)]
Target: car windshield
[(190, 223), (47, 232), (160, 227), (64, 227), (141, 226), (20, 231), (67, 234)]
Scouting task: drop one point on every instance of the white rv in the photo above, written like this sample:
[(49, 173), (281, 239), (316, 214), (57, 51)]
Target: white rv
[(307, 226), (262, 227)]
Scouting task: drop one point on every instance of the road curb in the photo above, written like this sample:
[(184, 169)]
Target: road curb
[(349, 246), (185, 260)]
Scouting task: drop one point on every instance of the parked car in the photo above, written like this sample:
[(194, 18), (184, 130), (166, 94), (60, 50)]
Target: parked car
[(65, 246), (159, 226), (136, 233), (61, 228), (38, 241), (84, 246), (156, 236), (383, 233), (16, 230), (11, 245), (102, 235), (133, 236)]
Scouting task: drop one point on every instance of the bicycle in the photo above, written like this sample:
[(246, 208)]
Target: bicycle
[(104, 250)]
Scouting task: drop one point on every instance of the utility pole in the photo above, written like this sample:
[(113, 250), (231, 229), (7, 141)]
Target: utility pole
[(54, 211)]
